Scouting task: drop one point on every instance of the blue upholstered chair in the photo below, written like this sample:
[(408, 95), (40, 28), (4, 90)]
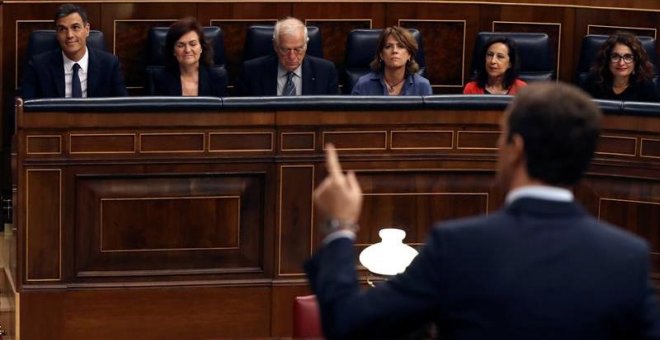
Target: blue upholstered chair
[(259, 42)]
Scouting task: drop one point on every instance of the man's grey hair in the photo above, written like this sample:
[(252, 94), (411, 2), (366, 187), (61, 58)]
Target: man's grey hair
[(288, 26)]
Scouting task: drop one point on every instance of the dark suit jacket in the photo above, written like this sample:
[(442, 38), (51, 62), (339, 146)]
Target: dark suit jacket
[(43, 76), (167, 82), (259, 77), (535, 270)]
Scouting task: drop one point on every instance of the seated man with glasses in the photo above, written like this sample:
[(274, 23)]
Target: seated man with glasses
[(290, 72), (622, 71)]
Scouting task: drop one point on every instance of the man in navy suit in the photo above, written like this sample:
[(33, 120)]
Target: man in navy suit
[(73, 70), (539, 268), (289, 72)]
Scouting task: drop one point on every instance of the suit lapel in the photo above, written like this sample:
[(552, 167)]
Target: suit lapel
[(92, 76), (58, 73), (203, 82), (308, 77), (269, 80)]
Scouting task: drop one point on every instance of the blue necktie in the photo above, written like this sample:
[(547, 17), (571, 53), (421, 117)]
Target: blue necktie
[(289, 87), (76, 88)]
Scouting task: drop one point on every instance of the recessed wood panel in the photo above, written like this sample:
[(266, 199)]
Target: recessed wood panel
[(356, 140), (421, 139), (650, 148), (40, 145), (43, 225), (169, 225), (614, 145), (608, 29), (295, 217), (298, 141), (171, 142), (102, 143), (639, 217), (486, 140), (139, 224), (241, 141)]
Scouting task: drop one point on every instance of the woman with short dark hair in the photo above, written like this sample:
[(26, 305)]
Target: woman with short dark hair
[(394, 69), (188, 64), (622, 71), (498, 73)]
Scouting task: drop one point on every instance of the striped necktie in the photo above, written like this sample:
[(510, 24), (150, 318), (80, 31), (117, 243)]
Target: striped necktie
[(289, 87), (76, 88)]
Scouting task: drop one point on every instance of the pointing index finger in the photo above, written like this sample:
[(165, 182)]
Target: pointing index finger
[(332, 161)]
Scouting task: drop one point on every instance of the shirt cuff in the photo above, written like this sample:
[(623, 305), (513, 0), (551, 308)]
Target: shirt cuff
[(338, 234)]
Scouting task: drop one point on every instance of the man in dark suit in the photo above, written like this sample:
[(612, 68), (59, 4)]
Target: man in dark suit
[(539, 268), (73, 70), (289, 72)]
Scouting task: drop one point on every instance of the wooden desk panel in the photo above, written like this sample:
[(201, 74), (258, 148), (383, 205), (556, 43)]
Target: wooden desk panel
[(228, 226)]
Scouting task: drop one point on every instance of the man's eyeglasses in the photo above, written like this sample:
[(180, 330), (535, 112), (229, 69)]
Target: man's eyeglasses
[(627, 58), (297, 50)]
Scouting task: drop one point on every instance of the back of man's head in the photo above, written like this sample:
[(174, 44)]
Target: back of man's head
[(68, 9), (559, 125)]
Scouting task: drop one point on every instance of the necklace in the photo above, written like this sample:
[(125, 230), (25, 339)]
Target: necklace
[(391, 89)]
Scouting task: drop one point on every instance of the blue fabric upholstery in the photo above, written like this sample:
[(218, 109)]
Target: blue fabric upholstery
[(259, 42), (534, 53), (45, 40), (361, 45)]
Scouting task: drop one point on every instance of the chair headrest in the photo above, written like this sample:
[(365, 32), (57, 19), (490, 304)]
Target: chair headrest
[(533, 50), (361, 45), (259, 42), (41, 41), (156, 43)]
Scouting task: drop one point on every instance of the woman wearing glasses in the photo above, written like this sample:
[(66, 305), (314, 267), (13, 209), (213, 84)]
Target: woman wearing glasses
[(622, 71), (498, 74), (394, 69), (188, 64)]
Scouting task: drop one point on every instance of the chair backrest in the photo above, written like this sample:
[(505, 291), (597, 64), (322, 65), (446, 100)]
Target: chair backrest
[(534, 53), (41, 41), (259, 42), (591, 44), (156, 59), (306, 317), (361, 45)]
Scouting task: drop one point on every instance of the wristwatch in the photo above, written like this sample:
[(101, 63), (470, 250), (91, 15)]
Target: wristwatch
[(333, 224)]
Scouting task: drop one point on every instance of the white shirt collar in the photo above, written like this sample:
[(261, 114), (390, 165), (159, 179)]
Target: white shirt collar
[(281, 72), (540, 191), (83, 62)]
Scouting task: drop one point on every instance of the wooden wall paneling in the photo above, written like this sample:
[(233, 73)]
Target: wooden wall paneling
[(448, 32), (234, 19), (296, 228), (149, 313), (282, 306), (334, 33)]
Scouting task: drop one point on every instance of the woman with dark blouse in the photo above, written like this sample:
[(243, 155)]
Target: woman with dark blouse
[(622, 71), (188, 64)]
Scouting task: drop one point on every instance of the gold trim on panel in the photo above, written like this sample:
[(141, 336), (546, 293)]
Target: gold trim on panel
[(279, 220), (16, 48), (238, 226), (102, 134), (298, 133), (462, 57), (558, 60), (27, 226), (641, 149), (601, 199), (655, 30), (422, 148), (27, 144), (458, 140), (425, 194), (616, 153), (173, 134), (371, 23), (242, 133), (354, 132)]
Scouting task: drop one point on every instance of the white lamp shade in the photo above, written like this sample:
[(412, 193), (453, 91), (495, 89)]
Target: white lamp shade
[(390, 256)]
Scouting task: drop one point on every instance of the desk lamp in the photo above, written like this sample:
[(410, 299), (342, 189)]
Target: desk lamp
[(390, 256)]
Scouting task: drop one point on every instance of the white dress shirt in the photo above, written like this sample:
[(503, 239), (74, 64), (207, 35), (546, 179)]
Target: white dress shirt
[(82, 73), (281, 79)]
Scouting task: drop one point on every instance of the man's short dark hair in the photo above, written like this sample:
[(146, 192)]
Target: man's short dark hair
[(559, 125), (68, 9)]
